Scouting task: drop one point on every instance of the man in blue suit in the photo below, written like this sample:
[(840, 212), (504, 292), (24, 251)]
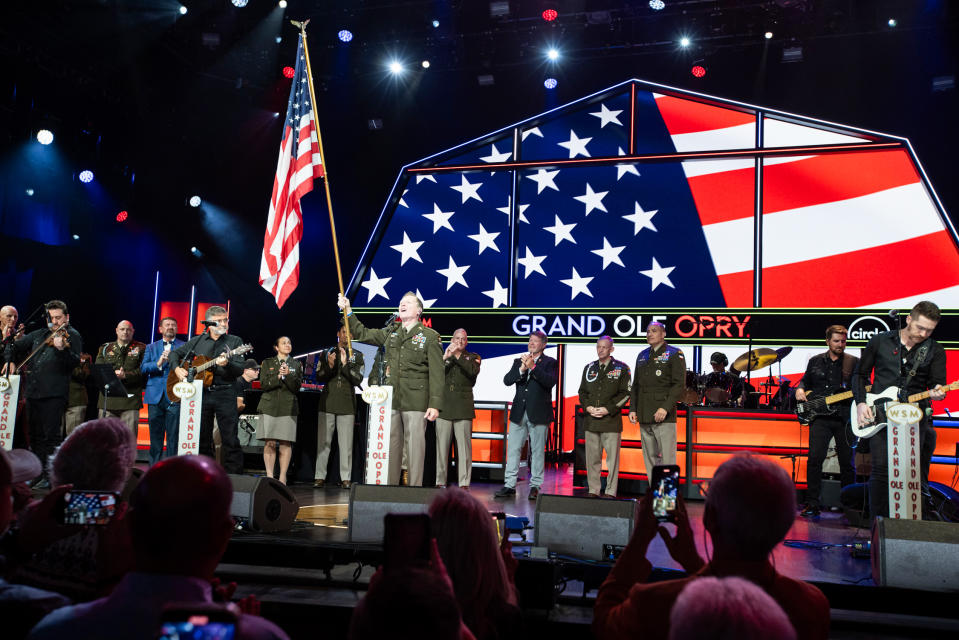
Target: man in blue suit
[(164, 414)]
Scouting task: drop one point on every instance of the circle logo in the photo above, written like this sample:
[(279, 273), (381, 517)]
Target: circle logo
[(184, 390), (866, 327)]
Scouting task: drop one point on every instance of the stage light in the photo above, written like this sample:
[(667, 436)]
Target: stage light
[(436, 24), (684, 41), (183, 10), (76, 237), (552, 54), (698, 71), (29, 192), (426, 64), (769, 35), (282, 4), (549, 15), (195, 201), (289, 72), (276, 114), (657, 5), (44, 136), (345, 35), (240, 3), (395, 67), (123, 215), (279, 39), (194, 251), (86, 176), (892, 22), (550, 83)]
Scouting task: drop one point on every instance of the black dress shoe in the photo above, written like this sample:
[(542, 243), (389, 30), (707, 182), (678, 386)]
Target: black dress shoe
[(534, 493), (811, 511), (505, 492)]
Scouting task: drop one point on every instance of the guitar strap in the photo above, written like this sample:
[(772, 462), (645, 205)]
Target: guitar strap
[(920, 356)]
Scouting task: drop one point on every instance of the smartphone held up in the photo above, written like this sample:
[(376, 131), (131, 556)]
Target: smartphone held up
[(664, 482)]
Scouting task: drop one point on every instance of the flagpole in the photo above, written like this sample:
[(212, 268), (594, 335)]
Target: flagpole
[(326, 177)]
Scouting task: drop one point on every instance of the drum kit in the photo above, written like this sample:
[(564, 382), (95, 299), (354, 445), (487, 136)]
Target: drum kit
[(727, 389)]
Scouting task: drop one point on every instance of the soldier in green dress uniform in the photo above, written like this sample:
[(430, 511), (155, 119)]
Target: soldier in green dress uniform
[(603, 391), (414, 368), (341, 375), (456, 416), (125, 356), (280, 378)]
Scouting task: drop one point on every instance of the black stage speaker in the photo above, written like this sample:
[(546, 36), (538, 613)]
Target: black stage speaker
[(370, 502), (266, 503), (590, 528), (915, 554)]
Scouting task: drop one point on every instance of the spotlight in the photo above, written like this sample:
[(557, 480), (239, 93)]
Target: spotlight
[(426, 64), (892, 22), (183, 10), (123, 215), (29, 192), (769, 35), (279, 39), (657, 5), (550, 83), (240, 3), (549, 15), (684, 41), (395, 67), (289, 72), (76, 237), (194, 251), (552, 54), (282, 4), (345, 35), (698, 71), (86, 176), (436, 24), (276, 114), (195, 201), (44, 136)]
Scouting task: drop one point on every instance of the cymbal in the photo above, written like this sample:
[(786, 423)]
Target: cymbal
[(755, 359), (782, 352)]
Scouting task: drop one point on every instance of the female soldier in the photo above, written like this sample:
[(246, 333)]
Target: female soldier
[(280, 378)]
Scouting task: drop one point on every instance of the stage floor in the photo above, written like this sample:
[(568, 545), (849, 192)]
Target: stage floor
[(327, 510)]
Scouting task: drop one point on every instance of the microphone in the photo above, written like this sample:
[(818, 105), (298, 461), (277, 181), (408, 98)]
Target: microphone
[(392, 319), (209, 323), (894, 313)]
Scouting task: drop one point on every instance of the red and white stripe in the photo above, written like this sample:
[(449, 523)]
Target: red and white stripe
[(854, 229), (280, 264)]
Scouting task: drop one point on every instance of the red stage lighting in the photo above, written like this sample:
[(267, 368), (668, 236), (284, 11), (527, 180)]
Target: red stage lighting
[(289, 72), (123, 215), (549, 15), (698, 71)]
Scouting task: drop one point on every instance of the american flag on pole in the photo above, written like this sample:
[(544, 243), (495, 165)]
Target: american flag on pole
[(581, 229), (298, 164)]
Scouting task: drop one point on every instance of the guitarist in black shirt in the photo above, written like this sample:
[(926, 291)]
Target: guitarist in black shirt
[(826, 374), (912, 361)]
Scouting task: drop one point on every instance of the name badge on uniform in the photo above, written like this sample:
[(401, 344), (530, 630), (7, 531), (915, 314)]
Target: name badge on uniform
[(659, 372)]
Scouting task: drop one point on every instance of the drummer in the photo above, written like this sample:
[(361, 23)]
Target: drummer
[(722, 388)]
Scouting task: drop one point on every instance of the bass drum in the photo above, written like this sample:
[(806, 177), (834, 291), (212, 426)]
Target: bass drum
[(691, 394), (719, 386)]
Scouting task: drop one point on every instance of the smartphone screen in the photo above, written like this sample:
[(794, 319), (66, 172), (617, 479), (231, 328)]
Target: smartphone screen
[(406, 540), (88, 507), (499, 523), (665, 487), (199, 622)]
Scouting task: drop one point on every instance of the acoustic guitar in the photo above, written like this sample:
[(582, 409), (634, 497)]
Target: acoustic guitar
[(203, 369)]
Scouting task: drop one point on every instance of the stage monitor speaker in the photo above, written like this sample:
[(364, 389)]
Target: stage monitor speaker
[(370, 502), (583, 527), (267, 504), (915, 554)]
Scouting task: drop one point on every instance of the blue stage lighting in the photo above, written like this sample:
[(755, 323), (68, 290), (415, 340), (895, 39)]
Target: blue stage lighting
[(657, 5), (684, 41), (183, 10), (86, 176), (76, 237), (892, 22), (195, 201), (345, 35), (552, 54), (426, 64), (240, 3), (395, 67), (436, 24), (29, 192), (44, 136), (550, 83), (282, 4)]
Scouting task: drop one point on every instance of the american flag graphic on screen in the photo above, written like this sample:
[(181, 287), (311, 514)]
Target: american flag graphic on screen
[(674, 227)]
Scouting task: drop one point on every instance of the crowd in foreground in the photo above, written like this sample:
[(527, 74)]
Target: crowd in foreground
[(159, 552)]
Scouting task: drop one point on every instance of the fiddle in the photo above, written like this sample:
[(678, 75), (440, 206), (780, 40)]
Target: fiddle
[(62, 332)]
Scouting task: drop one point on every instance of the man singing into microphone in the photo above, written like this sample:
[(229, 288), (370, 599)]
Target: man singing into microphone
[(219, 399), (414, 367)]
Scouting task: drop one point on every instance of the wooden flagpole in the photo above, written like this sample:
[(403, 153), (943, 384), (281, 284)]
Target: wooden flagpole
[(326, 178)]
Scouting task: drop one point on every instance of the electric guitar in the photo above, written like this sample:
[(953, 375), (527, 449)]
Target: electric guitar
[(877, 402), (201, 366), (807, 411)]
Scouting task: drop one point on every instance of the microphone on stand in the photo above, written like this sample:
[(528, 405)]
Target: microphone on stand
[(894, 314), (209, 323), (392, 319)]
